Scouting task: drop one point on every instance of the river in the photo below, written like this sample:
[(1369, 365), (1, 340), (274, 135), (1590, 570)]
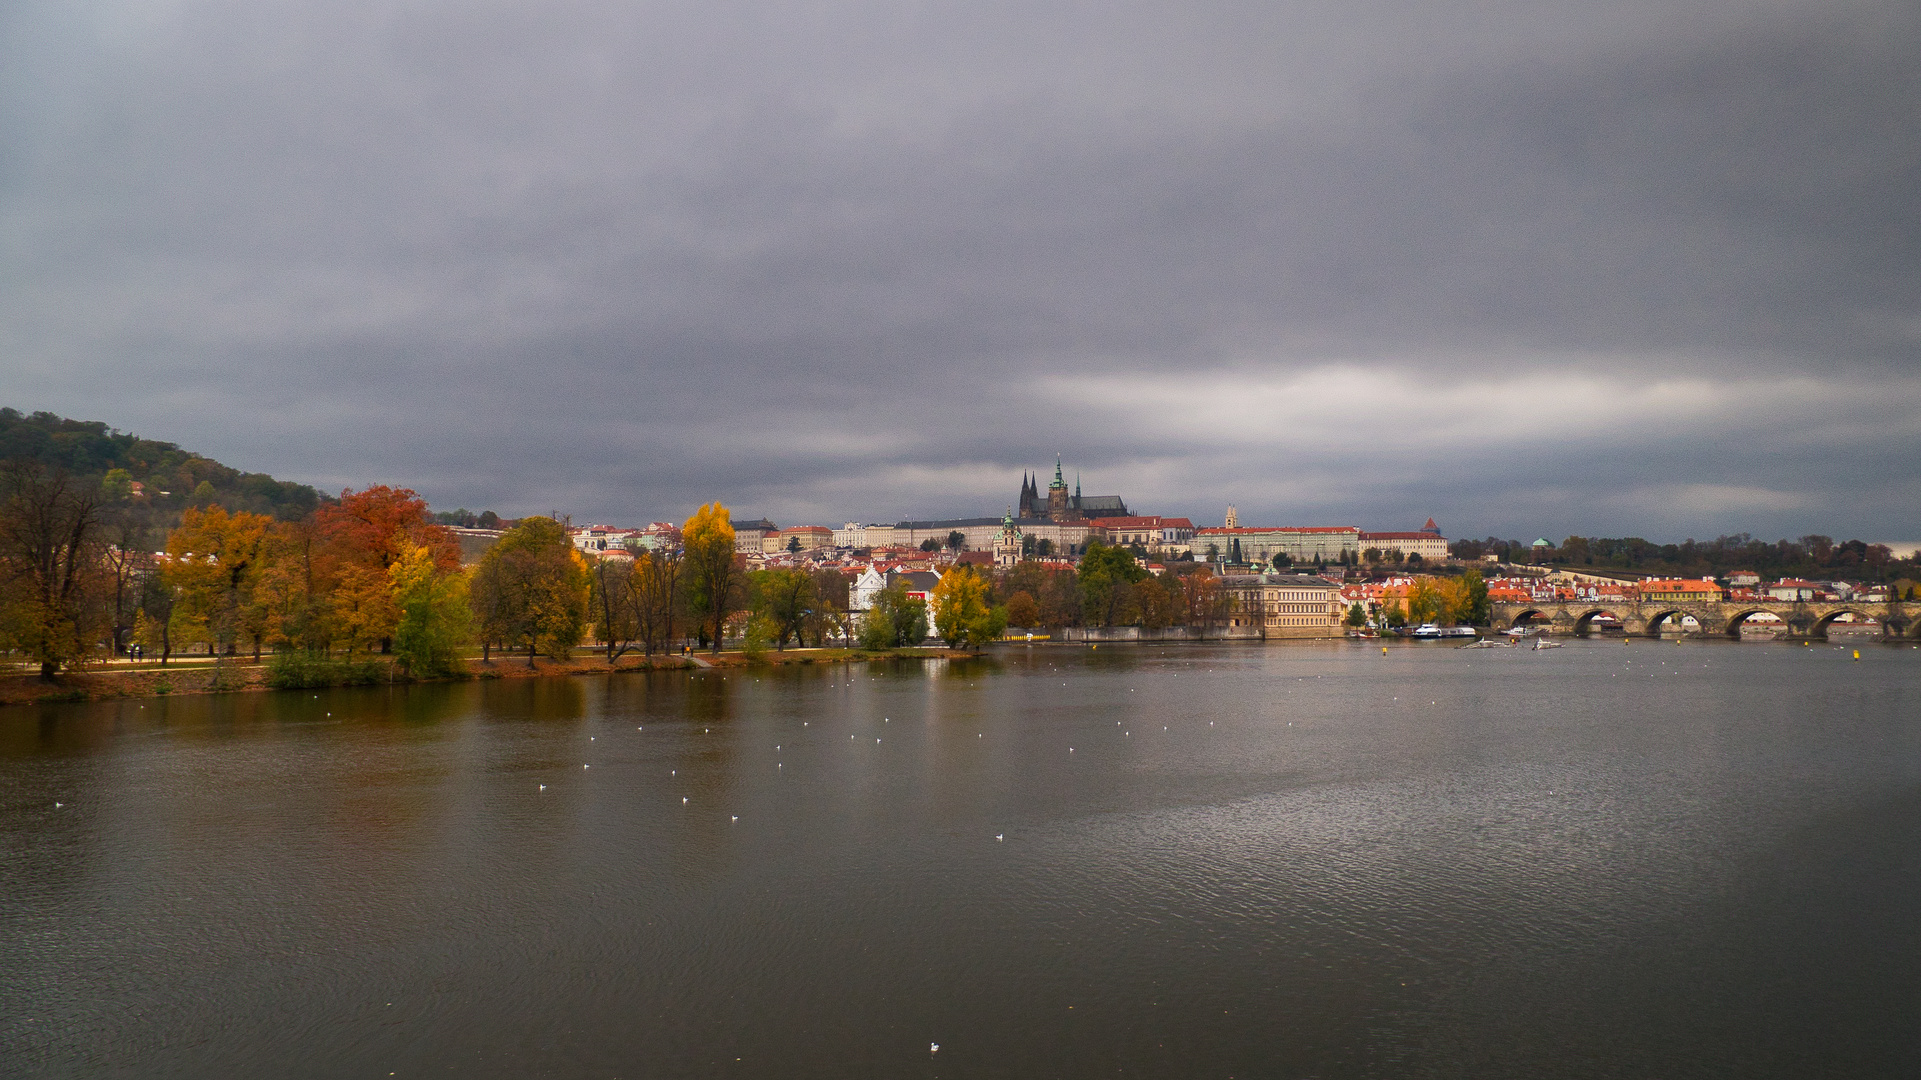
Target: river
[(1306, 860)]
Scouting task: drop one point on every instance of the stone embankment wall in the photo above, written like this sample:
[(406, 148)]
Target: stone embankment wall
[(1165, 633)]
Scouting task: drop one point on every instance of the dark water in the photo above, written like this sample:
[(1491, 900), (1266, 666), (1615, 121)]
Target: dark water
[(1311, 861)]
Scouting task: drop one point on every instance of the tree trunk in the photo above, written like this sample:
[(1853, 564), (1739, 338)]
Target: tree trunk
[(530, 654), (486, 651)]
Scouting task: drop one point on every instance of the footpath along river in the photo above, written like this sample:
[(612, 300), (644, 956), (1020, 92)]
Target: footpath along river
[(1307, 860)]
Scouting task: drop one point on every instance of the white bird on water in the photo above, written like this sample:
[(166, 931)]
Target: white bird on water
[(998, 836), (933, 1048)]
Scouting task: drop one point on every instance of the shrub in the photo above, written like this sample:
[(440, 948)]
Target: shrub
[(307, 671)]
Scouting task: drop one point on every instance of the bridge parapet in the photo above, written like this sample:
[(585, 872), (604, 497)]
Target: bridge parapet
[(1719, 618)]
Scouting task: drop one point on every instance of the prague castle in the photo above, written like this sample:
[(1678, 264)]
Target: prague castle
[(1060, 507)]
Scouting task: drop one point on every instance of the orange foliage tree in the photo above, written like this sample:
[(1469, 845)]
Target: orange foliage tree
[(357, 540)]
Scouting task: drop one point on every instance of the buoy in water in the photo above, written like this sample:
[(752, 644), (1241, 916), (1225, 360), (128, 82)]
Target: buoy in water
[(1857, 654)]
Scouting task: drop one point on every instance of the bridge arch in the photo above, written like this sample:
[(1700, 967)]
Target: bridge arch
[(1584, 622), (1531, 616), (1656, 620), (1736, 620), (1820, 627)]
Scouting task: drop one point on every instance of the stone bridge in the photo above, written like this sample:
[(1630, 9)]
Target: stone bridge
[(1646, 618)]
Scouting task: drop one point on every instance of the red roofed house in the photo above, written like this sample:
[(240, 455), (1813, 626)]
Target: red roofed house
[(1151, 532)]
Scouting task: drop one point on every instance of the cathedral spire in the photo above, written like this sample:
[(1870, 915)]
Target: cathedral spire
[(1058, 482)]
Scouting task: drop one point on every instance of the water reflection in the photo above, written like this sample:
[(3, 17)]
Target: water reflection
[(1284, 861)]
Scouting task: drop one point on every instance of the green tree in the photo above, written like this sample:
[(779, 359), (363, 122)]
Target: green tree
[(1478, 612), (785, 598), (896, 620), (532, 589), (956, 540), (117, 485), (1356, 615), (1106, 577), (435, 622)]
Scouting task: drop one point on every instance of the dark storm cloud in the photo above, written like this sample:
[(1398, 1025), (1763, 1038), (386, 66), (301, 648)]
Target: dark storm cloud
[(1617, 267)]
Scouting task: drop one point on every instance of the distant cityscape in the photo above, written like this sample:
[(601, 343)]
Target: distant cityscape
[(1276, 580)]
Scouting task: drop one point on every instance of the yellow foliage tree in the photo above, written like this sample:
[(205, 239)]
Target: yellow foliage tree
[(364, 613), (215, 560), (961, 614), (707, 540), (435, 622)]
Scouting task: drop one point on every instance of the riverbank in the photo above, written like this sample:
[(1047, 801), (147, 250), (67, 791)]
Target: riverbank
[(152, 681)]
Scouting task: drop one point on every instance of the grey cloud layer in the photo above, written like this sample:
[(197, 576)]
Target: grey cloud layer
[(873, 260)]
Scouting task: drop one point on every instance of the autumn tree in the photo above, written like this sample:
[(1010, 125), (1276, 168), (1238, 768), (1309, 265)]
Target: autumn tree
[(654, 593), (1023, 610), (961, 613), (1205, 601), (214, 561), (358, 538), (829, 616), (1424, 601), (713, 576), (1160, 601), (51, 587), (153, 623), (376, 526), (285, 607), (616, 621), (435, 622), (532, 590)]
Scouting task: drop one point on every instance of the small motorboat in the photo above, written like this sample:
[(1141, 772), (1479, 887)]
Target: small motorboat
[(1543, 643)]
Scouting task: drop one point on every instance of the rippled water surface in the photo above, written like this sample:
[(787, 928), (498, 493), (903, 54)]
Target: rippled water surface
[(1290, 861)]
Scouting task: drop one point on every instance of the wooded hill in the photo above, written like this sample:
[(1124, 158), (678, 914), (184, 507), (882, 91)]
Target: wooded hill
[(171, 478)]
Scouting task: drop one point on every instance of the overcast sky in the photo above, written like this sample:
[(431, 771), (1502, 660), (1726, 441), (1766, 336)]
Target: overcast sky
[(1533, 268)]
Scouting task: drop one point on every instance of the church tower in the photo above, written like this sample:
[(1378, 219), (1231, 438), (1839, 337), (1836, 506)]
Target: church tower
[(1007, 542), (1059, 507), (1233, 519), (1031, 505)]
